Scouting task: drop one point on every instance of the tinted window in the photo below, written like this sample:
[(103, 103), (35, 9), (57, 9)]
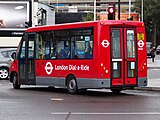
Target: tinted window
[(65, 44)]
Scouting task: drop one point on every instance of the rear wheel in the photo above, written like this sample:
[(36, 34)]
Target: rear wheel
[(16, 85), (72, 85), (82, 90), (116, 91), (4, 73)]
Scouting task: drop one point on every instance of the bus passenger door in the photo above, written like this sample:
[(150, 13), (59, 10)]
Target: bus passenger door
[(22, 60), (130, 56), (26, 60), (123, 57), (30, 59)]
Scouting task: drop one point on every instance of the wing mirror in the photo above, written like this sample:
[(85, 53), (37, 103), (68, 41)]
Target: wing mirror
[(13, 55)]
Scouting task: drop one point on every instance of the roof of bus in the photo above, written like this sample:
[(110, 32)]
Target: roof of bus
[(85, 24)]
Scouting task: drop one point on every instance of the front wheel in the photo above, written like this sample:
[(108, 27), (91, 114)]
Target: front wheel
[(16, 85), (4, 73), (72, 85)]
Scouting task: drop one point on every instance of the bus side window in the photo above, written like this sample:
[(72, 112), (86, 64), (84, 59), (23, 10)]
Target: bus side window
[(47, 51), (63, 47), (83, 43), (88, 52), (53, 53), (40, 48), (83, 48), (62, 54), (40, 55), (44, 47)]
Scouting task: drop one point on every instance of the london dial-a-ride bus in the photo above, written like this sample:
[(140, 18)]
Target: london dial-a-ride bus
[(80, 56)]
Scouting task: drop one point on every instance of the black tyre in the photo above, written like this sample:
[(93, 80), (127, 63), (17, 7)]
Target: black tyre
[(4, 73), (72, 85), (16, 85), (116, 91), (82, 90)]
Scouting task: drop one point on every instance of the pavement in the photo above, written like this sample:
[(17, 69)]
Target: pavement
[(153, 84), (153, 65)]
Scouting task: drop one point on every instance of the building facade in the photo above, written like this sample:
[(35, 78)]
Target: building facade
[(87, 6)]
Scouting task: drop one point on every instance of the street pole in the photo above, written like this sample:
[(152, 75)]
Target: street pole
[(35, 9), (142, 11), (129, 9), (119, 12), (57, 5), (94, 10)]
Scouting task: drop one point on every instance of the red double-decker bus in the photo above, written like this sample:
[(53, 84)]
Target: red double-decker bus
[(81, 56)]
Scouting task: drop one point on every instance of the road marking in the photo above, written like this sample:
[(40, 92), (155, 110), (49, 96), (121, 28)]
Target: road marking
[(128, 113), (154, 79), (60, 113), (56, 99)]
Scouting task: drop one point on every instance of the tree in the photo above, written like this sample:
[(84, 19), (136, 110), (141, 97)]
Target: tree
[(151, 13), (90, 17)]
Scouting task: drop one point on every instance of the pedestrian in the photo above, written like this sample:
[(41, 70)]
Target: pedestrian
[(2, 23), (153, 53)]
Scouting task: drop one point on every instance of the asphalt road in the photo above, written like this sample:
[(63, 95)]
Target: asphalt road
[(42, 103)]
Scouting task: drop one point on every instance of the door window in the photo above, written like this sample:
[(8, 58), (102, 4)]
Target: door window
[(131, 53), (22, 61), (31, 57), (130, 44), (31, 49), (116, 44), (22, 51), (131, 69), (116, 53), (116, 69)]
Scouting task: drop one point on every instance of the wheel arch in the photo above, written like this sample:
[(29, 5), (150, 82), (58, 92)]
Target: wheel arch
[(5, 67), (11, 75)]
